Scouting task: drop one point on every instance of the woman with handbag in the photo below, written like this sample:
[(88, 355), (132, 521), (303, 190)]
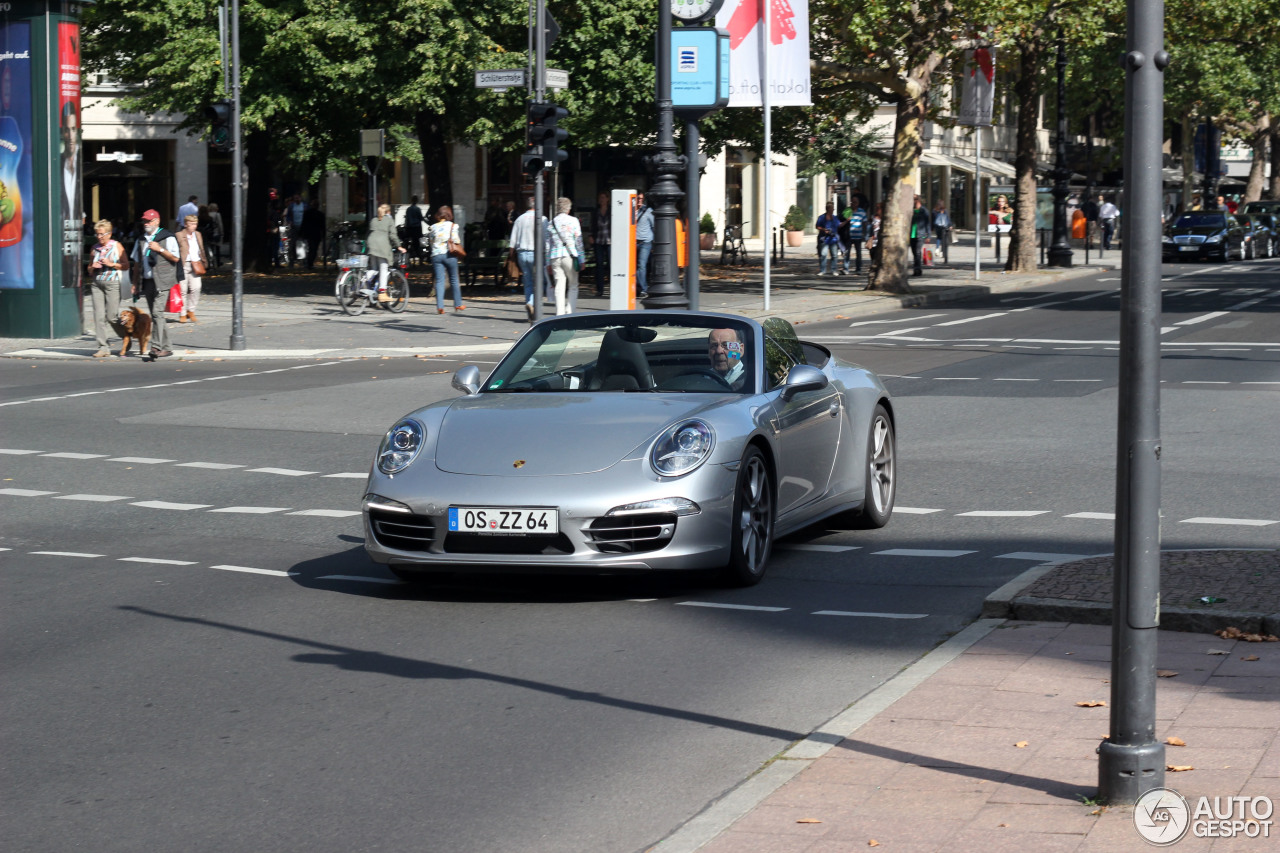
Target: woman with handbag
[(565, 256), (193, 258), (106, 272), (446, 251)]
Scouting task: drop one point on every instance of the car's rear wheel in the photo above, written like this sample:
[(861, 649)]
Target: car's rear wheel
[(881, 471), (753, 521)]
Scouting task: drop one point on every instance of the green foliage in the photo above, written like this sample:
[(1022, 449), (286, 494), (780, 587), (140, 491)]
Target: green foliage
[(795, 220), (842, 146), (706, 225)]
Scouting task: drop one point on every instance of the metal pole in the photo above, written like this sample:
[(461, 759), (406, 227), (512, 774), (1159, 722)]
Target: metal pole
[(1060, 249), (539, 96), (766, 16), (977, 203), (237, 189), (1131, 761), (692, 202), (664, 287)]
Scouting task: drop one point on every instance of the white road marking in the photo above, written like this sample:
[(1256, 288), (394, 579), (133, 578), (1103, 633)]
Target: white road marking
[(1260, 383), (1077, 380), (971, 319), (14, 452), (360, 578), (1203, 382), (140, 460), (723, 606), (1247, 522), (284, 472), (915, 510), (251, 510), (253, 571), (216, 466), (1100, 516), (157, 560), (328, 513), (899, 320), (870, 615), (1003, 513), (69, 455), (813, 546), (96, 498), (1041, 558), (920, 552), (64, 554), (169, 505), (1015, 380), (25, 493), (902, 332), (956, 378), (1202, 318), (349, 475)]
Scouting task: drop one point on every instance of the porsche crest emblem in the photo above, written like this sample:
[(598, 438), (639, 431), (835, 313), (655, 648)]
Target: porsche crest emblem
[(519, 463)]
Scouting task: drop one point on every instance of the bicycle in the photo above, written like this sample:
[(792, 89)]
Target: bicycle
[(357, 286), (733, 247)]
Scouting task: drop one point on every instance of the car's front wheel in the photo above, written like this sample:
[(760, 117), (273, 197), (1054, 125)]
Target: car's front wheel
[(881, 472), (753, 519)]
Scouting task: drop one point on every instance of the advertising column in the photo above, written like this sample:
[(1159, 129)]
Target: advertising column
[(17, 232), (69, 153)]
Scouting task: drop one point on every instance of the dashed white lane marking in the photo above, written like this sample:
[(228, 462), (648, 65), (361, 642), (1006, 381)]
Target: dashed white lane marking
[(870, 615), (1099, 516), (327, 513), (26, 493), (140, 460), (360, 578), (898, 320), (349, 475), (252, 571), (251, 510), (920, 552), (284, 472), (69, 455), (170, 505), (915, 510), (724, 606), (1247, 522), (970, 319), (214, 466), (1003, 513), (813, 546), (15, 452), (157, 560), (95, 498), (1041, 558), (64, 554)]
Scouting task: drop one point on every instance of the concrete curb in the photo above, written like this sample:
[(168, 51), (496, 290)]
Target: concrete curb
[(738, 801)]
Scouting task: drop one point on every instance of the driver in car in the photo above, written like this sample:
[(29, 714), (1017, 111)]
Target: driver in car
[(725, 349)]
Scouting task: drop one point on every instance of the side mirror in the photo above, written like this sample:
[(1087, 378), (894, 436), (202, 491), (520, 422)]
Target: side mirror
[(803, 377), (467, 380)]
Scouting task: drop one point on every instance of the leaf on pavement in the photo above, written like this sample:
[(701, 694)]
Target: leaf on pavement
[(1091, 703), (1234, 633), (1022, 744), (873, 843), (808, 820), (1165, 673), (1250, 657), (1175, 741), (1178, 768), (1218, 652)]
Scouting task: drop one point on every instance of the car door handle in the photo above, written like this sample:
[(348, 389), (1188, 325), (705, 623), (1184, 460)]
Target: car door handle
[(834, 411)]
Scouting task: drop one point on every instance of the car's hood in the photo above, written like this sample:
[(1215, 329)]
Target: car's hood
[(537, 435), (1202, 230)]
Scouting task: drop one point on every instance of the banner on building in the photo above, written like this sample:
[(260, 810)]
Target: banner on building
[(788, 47), (978, 90)]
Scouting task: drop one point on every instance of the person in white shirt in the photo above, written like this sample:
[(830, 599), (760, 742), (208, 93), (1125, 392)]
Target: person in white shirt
[(444, 231), (1108, 215), (190, 252), (565, 256), (523, 250)]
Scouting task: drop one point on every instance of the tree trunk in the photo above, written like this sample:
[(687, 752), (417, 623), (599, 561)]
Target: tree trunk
[(1258, 168), (1275, 160), (1188, 160), (257, 247), (895, 227), (435, 160), (1022, 239)]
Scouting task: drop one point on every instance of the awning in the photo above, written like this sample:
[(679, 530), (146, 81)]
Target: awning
[(994, 168), (1174, 176)]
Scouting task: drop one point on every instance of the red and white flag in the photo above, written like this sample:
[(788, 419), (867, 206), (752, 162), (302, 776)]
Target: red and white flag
[(788, 51), (978, 91)]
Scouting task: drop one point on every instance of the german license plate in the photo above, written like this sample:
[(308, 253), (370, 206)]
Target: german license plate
[(530, 521), (1188, 248)]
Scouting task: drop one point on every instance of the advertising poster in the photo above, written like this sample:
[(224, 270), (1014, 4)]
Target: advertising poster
[(69, 133), (977, 91), (17, 231), (788, 51)]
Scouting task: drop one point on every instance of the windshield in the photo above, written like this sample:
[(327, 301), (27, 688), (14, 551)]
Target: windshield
[(593, 353), (1200, 220)]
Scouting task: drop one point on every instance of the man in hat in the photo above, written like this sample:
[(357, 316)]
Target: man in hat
[(155, 260)]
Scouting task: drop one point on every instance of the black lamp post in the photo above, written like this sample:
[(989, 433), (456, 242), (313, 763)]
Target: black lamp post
[(665, 290), (1060, 248)]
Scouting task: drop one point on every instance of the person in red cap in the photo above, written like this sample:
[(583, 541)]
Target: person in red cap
[(155, 259)]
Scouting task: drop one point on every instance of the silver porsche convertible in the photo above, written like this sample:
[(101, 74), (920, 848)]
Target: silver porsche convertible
[(630, 442)]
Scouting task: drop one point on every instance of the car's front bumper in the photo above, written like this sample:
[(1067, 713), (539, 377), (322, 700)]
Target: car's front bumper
[(590, 538), (1193, 252)]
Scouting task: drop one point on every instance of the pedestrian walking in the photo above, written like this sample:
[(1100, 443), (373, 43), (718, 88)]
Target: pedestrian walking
[(644, 244), (192, 256), (213, 238), (446, 238), (106, 273), (191, 207), (413, 222), (856, 226), (565, 256), (920, 229), (600, 225), (1108, 215), (523, 250), (942, 226), (155, 257), (828, 226)]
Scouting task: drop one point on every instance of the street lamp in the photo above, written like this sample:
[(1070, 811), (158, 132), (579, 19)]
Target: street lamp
[(1060, 248)]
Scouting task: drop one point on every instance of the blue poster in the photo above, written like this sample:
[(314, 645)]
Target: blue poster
[(17, 229)]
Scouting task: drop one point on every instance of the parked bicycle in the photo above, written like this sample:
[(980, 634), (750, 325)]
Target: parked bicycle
[(343, 241), (357, 285), (732, 248)]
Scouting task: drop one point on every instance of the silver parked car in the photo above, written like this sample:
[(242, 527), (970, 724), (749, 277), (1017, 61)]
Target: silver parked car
[(634, 441)]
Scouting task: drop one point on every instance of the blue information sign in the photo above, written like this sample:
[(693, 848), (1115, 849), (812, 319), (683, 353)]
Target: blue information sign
[(699, 69)]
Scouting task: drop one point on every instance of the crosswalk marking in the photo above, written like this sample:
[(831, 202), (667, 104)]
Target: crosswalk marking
[(252, 571), (140, 460), (64, 554), (1003, 513), (1041, 558), (920, 552), (157, 560), (726, 606), (813, 546), (1100, 516), (214, 466), (284, 472), (1247, 522), (170, 505), (25, 493), (92, 498), (70, 455), (251, 510), (328, 513)]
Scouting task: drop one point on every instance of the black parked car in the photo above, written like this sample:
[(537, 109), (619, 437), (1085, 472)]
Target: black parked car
[(1206, 234), (1271, 206), (1267, 238)]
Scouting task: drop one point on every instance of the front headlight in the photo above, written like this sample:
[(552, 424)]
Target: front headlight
[(1216, 238), (401, 445), (1167, 239), (682, 448)]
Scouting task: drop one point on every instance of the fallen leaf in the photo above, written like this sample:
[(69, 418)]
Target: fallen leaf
[(1099, 810), (873, 843), (1218, 652), (1234, 633), (1250, 657), (1175, 741), (1091, 703), (1001, 824), (808, 820), (841, 317), (1178, 768), (1165, 673), (1022, 744)]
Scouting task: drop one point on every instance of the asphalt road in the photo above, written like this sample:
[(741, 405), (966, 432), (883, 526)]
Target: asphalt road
[(221, 668)]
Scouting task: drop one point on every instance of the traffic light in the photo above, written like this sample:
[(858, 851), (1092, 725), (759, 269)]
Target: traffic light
[(544, 136), (218, 114)]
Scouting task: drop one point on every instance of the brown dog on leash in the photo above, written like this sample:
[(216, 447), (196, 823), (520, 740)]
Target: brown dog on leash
[(135, 325)]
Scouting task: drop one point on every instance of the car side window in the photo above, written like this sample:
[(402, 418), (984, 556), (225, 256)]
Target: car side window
[(782, 351)]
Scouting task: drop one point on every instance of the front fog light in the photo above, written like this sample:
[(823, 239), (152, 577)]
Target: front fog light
[(679, 506), (400, 446)]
